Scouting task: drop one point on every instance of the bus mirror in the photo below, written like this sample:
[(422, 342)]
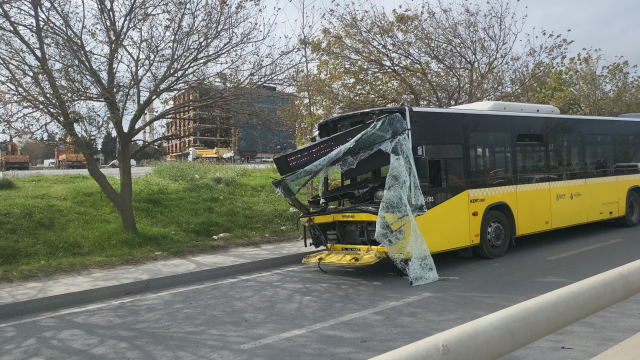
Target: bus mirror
[(422, 167)]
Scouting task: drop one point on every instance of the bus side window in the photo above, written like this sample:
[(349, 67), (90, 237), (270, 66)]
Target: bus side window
[(598, 154), (490, 159)]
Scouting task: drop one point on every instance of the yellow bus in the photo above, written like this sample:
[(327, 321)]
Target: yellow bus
[(489, 172)]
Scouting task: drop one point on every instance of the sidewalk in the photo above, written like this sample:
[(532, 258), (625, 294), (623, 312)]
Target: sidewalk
[(626, 350), (73, 290)]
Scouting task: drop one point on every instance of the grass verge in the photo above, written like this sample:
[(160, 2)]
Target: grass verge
[(57, 224)]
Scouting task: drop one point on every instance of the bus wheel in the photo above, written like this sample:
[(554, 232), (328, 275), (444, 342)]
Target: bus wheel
[(632, 216), (495, 236)]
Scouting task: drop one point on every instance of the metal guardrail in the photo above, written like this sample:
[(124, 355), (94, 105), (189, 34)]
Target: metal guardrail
[(505, 331)]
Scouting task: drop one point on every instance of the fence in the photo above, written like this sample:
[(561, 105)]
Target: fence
[(505, 331)]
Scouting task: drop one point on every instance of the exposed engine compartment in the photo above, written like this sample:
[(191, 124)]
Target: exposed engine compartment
[(347, 233)]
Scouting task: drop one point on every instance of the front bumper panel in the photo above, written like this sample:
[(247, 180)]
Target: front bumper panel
[(345, 258)]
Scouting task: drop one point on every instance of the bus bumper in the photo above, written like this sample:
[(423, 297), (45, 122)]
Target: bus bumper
[(347, 258)]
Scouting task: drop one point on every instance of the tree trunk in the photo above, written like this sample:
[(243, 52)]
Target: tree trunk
[(125, 210), (121, 201)]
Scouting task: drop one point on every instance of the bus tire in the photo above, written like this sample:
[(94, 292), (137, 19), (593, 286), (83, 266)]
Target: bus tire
[(632, 214), (495, 236)]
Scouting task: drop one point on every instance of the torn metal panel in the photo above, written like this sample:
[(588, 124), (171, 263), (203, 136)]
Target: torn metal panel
[(401, 200)]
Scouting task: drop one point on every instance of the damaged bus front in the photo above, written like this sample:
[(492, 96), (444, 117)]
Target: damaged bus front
[(367, 196)]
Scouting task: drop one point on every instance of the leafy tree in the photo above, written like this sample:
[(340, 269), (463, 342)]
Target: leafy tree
[(587, 84), (37, 150), (109, 147)]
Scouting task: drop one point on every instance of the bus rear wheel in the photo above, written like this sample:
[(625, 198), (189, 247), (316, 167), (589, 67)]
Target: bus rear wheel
[(495, 236), (632, 215)]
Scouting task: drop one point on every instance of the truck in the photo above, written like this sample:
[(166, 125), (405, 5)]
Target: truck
[(11, 158), (205, 154), (68, 158)]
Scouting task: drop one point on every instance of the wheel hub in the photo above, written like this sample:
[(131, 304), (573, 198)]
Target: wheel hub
[(633, 209), (495, 234)]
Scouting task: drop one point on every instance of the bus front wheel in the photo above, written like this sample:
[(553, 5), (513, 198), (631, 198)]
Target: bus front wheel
[(632, 215), (495, 236)]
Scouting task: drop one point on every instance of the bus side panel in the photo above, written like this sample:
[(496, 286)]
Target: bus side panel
[(480, 199), (602, 196), (445, 226), (534, 210), (568, 203), (625, 182)]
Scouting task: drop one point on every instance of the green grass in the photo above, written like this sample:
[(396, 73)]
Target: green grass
[(64, 223)]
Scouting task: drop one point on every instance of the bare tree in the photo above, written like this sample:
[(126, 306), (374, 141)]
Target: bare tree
[(89, 65), (301, 111)]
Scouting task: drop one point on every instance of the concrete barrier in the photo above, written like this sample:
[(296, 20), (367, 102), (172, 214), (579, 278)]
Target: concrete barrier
[(505, 331)]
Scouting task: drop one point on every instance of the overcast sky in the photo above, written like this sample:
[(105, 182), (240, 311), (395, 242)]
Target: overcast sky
[(612, 25)]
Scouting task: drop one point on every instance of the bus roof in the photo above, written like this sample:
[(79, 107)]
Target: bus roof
[(509, 107), (463, 111), (632, 115)]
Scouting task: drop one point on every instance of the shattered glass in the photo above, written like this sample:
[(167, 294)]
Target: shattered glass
[(396, 227)]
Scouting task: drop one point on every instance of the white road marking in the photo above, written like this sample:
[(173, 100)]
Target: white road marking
[(331, 322), (584, 249), (143, 296)]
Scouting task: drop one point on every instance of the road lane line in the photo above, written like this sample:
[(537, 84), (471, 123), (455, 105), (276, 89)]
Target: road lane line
[(584, 249), (331, 322), (144, 296)]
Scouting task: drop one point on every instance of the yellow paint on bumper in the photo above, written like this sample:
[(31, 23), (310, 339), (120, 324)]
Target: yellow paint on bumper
[(343, 258)]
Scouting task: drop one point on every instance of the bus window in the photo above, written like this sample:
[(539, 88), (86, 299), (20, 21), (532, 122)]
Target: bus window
[(564, 156), (436, 163), (627, 152), (490, 159), (436, 173), (530, 160), (598, 154)]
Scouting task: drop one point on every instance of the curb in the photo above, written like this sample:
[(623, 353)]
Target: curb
[(72, 299)]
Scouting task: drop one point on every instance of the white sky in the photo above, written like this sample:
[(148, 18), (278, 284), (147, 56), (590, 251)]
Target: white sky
[(612, 25)]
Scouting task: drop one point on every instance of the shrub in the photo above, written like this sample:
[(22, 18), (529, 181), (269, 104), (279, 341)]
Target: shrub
[(6, 184)]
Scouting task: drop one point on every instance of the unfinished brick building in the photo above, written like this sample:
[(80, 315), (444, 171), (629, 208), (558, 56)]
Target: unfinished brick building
[(250, 129)]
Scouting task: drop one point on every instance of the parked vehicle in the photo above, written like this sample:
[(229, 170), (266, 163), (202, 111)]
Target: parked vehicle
[(10, 157), (67, 158)]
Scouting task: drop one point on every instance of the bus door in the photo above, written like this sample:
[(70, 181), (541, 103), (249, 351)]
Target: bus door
[(445, 225), (534, 202), (568, 192), (599, 171)]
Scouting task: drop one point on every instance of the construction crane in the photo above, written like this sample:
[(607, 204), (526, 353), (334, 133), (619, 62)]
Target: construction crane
[(67, 158)]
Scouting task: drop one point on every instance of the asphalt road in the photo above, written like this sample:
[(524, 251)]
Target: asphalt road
[(298, 312)]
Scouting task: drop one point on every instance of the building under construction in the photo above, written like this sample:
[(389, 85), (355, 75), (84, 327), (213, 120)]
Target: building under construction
[(248, 125)]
